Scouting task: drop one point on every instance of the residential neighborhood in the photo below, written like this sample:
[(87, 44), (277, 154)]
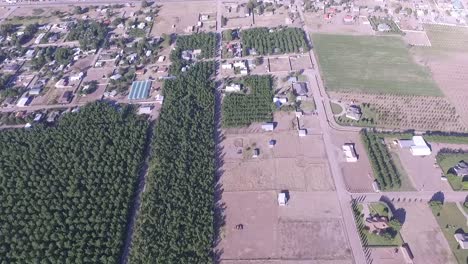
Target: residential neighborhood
[(234, 131)]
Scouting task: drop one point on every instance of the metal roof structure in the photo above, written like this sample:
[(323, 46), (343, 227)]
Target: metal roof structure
[(140, 90)]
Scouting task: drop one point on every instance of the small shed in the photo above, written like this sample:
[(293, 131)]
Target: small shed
[(271, 143), (302, 132), (282, 199), (256, 153), (268, 126)]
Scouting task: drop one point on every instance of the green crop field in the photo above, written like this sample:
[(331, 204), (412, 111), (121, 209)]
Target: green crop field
[(372, 65)]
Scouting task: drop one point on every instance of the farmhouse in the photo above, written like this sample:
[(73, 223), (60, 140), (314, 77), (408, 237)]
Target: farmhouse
[(462, 240), (348, 19), (350, 153), (377, 223), (353, 112), (382, 27), (65, 98), (23, 101), (417, 146), (300, 88), (461, 169)]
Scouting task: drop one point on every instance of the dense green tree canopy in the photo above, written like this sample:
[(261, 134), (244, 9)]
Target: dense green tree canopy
[(273, 41), (175, 224), (66, 190), (256, 106)]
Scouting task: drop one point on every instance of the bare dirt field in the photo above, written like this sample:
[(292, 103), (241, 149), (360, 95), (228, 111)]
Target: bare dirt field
[(279, 64), (358, 176), (279, 18), (336, 25), (422, 233), (417, 38), (423, 171), (302, 240), (300, 62), (176, 17), (309, 228), (36, 14), (236, 16), (409, 112), (387, 256)]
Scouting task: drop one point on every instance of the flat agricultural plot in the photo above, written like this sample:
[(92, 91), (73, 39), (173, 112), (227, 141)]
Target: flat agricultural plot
[(358, 176), (177, 17), (279, 64), (309, 229), (291, 164), (279, 18), (417, 38), (447, 38), (300, 62), (316, 239), (410, 112), (424, 236), (371, 64)]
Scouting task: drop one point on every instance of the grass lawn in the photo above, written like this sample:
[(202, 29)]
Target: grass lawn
[(308, 106), (371, 64), (406, 184), (451, 216), (447, 161), (447, 38), (378, 208), (336, 108)]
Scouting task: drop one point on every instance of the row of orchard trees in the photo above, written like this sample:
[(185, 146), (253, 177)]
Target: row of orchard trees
[(65, 191), (255, 106), (175, 224), (383, 166), (274, 41), (206, 42)]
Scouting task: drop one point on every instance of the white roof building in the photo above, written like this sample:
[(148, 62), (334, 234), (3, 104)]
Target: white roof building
[(226, 66), (282, 199), (462, 240), (417, 146), (282, 100), (350, 153), (23, 101), (144, 110), (234, 87), (76, 77), (268, 126), (420, 147), (302, 132)]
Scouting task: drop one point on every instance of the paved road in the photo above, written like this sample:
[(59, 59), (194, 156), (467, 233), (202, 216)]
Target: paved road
[(343, 196)]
